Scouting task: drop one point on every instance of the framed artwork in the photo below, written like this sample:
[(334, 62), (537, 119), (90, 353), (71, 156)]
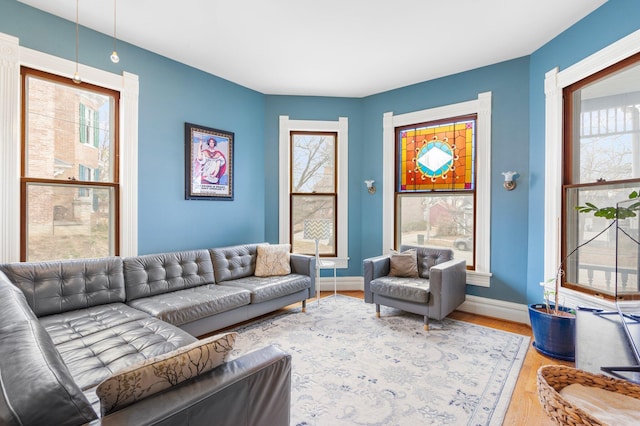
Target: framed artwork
[(209, 163)]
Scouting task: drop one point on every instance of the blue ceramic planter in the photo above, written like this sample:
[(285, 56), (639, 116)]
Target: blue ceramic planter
[(553, 335)]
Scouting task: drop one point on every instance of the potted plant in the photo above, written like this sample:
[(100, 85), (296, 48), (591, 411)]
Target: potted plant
[(553, 325)]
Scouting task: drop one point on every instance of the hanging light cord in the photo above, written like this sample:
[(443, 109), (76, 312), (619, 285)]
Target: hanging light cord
[(114, 56), (114, 24), (77, 35), (76, 76)]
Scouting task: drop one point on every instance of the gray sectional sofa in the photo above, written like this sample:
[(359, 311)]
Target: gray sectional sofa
[(65, 326)]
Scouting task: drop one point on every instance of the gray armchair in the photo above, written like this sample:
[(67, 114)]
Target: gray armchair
[(439, 288)]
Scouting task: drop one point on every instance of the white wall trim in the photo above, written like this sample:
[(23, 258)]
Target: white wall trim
[(494, 308), (12, 56), (555, 82), (342, 128), (129, 165), (480, 106), (9, 149), (342, 283)]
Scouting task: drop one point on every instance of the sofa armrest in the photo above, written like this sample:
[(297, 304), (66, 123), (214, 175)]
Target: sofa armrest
[(254, 389), (448, 285), (374, 267), (305, 265)]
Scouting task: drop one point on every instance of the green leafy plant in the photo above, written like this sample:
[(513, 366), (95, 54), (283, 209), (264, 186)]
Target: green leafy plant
[(613, 213)]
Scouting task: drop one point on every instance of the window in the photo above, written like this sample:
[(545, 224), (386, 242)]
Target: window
[(601, 166), (555, 82), (69, 174), (450, 205), (314, 185), (313, 190), (435, 185), (11, 135)]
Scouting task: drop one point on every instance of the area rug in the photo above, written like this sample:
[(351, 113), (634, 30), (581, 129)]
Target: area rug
[(350, 368)]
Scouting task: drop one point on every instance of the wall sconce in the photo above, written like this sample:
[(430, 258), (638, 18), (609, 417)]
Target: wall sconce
[(370, 187), (509, 180)]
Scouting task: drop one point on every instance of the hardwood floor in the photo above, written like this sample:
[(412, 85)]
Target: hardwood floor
[(524, 409)]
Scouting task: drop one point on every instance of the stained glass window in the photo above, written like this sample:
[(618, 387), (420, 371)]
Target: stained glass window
[(437, 156)]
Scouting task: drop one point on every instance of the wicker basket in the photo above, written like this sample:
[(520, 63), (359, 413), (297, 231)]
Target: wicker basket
[(553, 378)]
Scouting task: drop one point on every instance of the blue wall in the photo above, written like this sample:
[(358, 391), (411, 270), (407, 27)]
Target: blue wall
[(508, 82), (316, 108), (609, 23), (172, 93)]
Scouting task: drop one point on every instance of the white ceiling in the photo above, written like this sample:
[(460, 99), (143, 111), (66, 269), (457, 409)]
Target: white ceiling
[(349, 48)]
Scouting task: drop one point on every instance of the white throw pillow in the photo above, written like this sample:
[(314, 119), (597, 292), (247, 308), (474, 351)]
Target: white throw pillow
[(273, 260)]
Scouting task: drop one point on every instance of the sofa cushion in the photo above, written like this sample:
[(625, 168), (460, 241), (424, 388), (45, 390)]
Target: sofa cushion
[(159, 373), (184, 306), (36, 384), (83, 322), (230, 263), (267, 288), (409, 289), (93, 357), (154, 274), (403, 264), (273, 260), (66, 285)]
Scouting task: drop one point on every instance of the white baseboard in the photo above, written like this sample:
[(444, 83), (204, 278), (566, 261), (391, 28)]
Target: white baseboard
[(509, 311), (342, 283)]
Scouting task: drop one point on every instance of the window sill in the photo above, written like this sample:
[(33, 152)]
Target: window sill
[(480, 279), (573, 299)]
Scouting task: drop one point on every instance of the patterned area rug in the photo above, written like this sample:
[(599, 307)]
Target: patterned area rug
[(350, 368)]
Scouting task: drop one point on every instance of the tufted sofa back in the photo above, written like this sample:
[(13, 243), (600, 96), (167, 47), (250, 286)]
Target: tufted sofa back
[(31, 369), (153, 274), (230, 263), (428, 257), (65, 285)]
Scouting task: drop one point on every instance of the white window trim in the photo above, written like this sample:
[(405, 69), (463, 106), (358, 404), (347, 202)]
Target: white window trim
[(482, 107), (12, 57), (342, 128), (554, 83)]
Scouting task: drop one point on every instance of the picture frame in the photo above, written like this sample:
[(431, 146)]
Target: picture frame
[(209, 163)]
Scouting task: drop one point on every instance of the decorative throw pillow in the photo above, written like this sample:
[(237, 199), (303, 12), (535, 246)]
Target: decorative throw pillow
[(404, 264), (273, 259), (156, 374)]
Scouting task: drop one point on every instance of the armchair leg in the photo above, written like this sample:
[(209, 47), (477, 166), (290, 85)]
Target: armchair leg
[(304, 305), (426, 323), (377, 310)]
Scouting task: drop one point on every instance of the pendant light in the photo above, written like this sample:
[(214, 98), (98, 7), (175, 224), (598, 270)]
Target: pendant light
[(114, 56), (76, 75)]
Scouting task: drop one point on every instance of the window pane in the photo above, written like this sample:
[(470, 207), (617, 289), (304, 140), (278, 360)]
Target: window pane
[(312, 207), (70, 221), (313, 163), (593, 264), (67, 126), (606, 136), (437, 220)]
